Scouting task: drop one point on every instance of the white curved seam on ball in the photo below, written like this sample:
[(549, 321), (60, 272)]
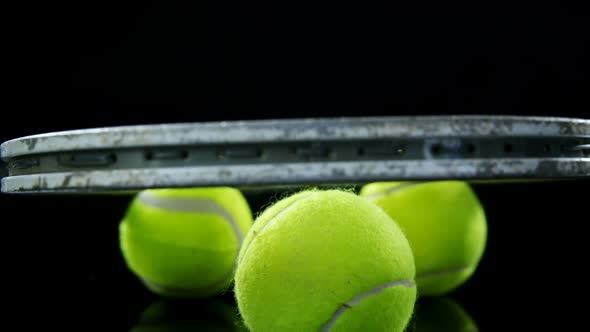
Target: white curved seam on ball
[(442, 272), (199, 205), (257, 232), (357, 299), (185, 204), (393, 190)]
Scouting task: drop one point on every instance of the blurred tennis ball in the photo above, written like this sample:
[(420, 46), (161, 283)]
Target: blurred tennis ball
[(441, 314), (189, 315), (184, 242), (445, 224)]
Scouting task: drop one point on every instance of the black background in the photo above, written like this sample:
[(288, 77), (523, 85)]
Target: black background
[(82, 65)]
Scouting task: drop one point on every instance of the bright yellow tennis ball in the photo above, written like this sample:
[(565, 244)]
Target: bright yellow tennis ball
[(325, 261), (445, 224), (184, 242)]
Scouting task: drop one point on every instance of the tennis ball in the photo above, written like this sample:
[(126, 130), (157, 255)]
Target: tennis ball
[(325, 261), (184, 242), (188, 315), (445, 225), (441, 314)]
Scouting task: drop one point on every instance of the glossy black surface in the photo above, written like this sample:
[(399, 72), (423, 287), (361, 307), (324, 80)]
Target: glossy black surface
[(65, 264), (83, 64)]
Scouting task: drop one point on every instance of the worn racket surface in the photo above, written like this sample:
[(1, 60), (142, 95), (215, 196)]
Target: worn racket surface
[(267, 153)]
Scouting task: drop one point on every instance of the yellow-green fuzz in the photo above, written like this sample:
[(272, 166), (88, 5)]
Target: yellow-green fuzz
[(445, 224), (325, 261), (184, 242)]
